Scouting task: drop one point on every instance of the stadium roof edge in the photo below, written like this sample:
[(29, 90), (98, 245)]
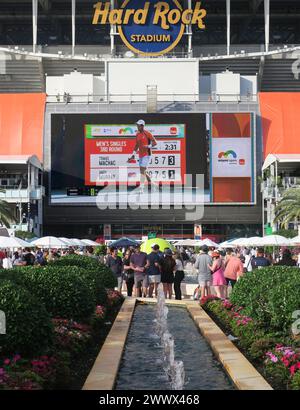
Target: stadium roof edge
[(63, 57), (21, 160)]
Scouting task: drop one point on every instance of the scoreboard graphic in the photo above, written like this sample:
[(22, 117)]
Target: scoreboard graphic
[(107, 148)]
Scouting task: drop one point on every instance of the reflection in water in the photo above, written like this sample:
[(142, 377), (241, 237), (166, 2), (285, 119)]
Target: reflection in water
[(143, 359)]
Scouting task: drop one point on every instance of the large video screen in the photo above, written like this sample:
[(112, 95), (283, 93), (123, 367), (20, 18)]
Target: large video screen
[(91, 152)]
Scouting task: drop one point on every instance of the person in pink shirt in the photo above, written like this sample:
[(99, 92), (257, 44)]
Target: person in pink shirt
[(233, 269), (217, 270)]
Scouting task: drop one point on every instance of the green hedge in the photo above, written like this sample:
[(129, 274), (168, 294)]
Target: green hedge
[(64, 293), (270, 296), (80, 261), (91, 265), (28, 325)]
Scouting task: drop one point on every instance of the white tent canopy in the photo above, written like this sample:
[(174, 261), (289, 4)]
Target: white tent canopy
[(13, 242), (243, 242), (78, 242), (68, 241), (275, 240), (208, 242), (226, 244), (49, 242), (295, 241), (188, 242), (89, 242)]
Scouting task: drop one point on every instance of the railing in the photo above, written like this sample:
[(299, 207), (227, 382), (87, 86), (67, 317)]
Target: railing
[(23, 194), (269, 188), (138, 98)]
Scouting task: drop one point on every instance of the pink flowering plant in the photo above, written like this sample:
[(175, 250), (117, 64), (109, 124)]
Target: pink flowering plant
[(17, 373), (283, 362), (100, 312), (114, 298), (71, 335), (207, 299)]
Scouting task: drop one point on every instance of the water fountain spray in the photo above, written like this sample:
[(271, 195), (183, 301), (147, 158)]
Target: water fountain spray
[(173, 368)]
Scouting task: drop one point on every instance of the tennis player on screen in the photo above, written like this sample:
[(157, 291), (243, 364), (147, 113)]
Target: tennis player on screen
[(144, 143)]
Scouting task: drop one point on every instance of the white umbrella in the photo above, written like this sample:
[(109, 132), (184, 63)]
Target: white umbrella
[(208, 242), (275, 240), (13, 242), (68, 241), (295, 241), (226, 244), (253, 241), (188, 242), (49, 242), (78, 242), (89, 242)]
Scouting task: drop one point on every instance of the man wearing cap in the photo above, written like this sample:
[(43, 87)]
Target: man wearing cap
[(144, 142)]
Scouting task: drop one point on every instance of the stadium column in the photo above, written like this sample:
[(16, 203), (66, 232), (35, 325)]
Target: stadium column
[(112, 31), (73, 26), (34, 24), (267, 24), (228, 25), (190, 33)]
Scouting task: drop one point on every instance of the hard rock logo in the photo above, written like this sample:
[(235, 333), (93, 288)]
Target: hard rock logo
[(150, 28)]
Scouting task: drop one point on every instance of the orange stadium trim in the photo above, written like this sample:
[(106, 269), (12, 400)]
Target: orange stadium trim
[(22, 124)]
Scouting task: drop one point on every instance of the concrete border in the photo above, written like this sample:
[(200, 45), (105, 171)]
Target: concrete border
[(240, 370), (105, 370)]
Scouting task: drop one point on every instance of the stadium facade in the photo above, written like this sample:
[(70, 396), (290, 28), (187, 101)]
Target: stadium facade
[(224, 99)]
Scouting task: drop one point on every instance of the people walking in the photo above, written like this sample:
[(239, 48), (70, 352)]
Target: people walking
[(233, 269), (260, 261), (179, 275), (286, 259), (153, 270), (218, 280), (114, 262), (128, 273), (138, 261), (202, 264), (168, 267)]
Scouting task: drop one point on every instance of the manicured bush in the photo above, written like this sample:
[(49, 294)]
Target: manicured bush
[(28, 325), (64, 293), (270, 296), (90, 264), (108, 278), (76, 260), (92, 278)]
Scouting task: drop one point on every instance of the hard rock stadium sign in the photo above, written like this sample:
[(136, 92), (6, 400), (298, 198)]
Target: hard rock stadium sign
[(150, 28)]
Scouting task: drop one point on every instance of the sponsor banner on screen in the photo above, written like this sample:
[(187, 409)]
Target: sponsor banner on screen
[(129, 130), (231, 157)]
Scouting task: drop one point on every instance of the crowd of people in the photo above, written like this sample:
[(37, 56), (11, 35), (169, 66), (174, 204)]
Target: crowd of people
[(216, 269), (223, 268), (37, 256), (143, 272)]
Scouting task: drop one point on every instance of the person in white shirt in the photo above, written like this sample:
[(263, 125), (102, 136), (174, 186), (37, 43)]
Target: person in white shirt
[(179, 275), (247, 263), (7, 262)]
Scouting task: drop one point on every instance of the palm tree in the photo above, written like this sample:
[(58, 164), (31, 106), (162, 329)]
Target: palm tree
[(6, 215), (288, 209)]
